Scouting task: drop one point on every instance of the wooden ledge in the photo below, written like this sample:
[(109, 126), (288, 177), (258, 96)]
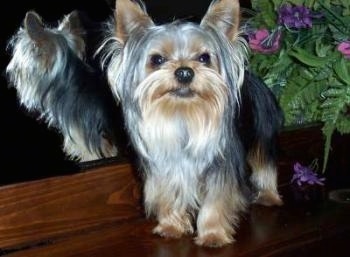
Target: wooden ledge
[(38, 210), (98, 212)]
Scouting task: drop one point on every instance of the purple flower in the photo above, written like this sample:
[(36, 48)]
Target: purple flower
[(344, 48), (263, 42), (304, 174), (294, 16)]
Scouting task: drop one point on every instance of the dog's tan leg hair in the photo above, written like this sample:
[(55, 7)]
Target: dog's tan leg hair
[(219, 216), (173, 221), (264, 178)]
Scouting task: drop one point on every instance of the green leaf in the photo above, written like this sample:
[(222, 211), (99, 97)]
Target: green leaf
[(327, 3), (343, 126), (337, 34), (341, 70), (328, 130), (345, 3), (332, 92), (266, 14), (321, 49), (301, 98), (309, 59), (335, 115), (309, 3)]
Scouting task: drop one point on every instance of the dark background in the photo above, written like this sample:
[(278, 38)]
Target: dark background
[(29, 150)]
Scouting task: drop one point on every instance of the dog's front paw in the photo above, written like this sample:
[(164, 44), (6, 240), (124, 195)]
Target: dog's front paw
[(172, 231), (167, 231), (214, 239)]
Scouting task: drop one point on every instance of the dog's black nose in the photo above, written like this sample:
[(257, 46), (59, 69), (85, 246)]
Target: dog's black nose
[(184, 75)]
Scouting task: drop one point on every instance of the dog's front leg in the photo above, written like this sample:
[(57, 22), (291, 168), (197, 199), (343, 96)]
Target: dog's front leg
[(165, 201), (219, 214)]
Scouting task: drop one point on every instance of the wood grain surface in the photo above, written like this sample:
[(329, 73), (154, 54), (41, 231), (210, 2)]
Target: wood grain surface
[(98, 212), (34, 211)]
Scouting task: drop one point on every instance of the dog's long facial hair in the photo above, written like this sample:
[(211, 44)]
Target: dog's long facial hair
[(51, 78), (180, 87)]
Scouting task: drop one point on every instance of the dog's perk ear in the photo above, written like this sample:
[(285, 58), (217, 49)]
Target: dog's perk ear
[(130, 16), (223, 15), (35, 27), (71, 23)]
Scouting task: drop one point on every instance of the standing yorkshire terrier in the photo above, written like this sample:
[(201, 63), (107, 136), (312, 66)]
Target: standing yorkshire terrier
[(195, 117), (204, 128), (52, 78)]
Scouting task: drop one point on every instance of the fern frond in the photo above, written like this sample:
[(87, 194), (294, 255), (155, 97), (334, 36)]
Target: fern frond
[(335, 115), (328, 130)]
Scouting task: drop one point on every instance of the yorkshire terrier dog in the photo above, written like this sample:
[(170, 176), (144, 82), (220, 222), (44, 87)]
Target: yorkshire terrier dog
[(197, 119), (52, 79), (204, 128)]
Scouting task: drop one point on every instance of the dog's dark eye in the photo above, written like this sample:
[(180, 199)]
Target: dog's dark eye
[(204, 58), (157, 60)]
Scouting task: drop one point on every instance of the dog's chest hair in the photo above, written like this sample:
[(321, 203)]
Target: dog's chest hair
[(173, 143)]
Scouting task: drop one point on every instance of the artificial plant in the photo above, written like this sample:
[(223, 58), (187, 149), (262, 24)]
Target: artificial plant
[(301, 49)]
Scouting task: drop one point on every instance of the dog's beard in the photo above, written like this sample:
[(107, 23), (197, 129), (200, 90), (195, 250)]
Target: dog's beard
[(190, 122)]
